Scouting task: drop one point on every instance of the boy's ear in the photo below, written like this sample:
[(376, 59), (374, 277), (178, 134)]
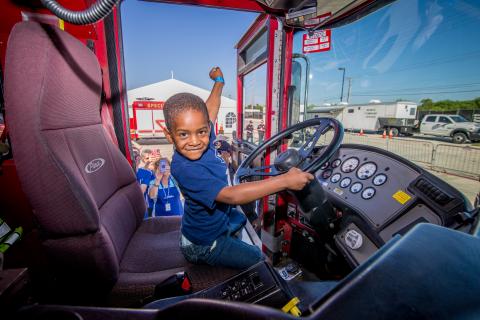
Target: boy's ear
[(167, 134)]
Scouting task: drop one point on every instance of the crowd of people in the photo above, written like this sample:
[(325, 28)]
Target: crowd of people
[(161, 193), (160, 190), (260, 130)]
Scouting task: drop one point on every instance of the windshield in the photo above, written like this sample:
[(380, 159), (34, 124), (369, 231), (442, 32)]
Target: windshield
[(385, 72), (458, 119)]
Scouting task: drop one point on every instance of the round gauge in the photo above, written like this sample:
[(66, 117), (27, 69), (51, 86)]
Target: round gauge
[(356, 187), (368, 193), (350, 165), (325, 165), (379, 179), (336, 163), (326, 174), (336, 177), (366, 170), (345, 182)]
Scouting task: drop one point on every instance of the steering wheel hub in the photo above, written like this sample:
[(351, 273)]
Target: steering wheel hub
[(287, 160)]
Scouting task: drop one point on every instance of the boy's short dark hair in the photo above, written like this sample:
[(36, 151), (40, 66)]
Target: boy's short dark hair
[(180, 103)]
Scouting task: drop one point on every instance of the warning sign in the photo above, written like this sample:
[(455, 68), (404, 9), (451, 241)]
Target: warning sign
[(401, 196), (317, 42)]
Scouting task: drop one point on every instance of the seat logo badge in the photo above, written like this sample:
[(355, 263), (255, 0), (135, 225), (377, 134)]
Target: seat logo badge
[(94, 165)]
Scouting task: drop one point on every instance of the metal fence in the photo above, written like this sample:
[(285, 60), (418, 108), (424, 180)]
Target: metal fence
[(419, 151), (460, 160)]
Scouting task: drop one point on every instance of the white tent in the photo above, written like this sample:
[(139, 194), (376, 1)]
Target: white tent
[(163, 90)]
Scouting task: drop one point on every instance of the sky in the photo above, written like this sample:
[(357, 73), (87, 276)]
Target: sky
[(408, 50), (188, 40)]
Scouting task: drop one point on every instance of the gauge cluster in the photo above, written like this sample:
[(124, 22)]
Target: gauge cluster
[(351, 170), (372, 183)]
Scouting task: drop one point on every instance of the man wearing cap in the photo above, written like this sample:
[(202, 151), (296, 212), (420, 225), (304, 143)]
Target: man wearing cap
[(224, 150), (261, 132), (249, 130)]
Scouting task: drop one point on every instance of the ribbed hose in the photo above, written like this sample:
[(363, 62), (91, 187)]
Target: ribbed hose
[(96, 12)]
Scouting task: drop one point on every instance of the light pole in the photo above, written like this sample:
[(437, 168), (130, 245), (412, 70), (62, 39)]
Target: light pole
[(343, 81)]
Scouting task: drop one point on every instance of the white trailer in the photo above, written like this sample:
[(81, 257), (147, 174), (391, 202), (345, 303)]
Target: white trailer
[(398, 116)]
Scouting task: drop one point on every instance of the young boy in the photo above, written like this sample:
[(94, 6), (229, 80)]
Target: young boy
[(209, 222)]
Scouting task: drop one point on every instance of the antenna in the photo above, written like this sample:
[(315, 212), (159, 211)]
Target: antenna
[(171, 72)]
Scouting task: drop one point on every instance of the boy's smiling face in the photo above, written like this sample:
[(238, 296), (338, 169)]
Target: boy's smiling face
[(190, 134)]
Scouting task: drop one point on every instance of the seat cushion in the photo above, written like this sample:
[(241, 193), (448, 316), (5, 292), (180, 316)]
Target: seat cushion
[(154, 247)]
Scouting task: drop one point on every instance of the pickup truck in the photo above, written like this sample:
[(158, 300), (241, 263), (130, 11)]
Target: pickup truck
[(454, 126)]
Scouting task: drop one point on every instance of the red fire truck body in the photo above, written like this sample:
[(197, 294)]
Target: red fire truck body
[(147, 120)]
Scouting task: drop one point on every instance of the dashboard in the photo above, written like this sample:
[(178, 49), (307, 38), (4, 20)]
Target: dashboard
[(373, 185), (382, 195)]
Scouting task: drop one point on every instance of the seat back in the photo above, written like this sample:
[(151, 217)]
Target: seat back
[(82, 189)]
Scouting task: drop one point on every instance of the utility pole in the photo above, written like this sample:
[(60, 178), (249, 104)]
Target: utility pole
[(343, 81), (349, 88)]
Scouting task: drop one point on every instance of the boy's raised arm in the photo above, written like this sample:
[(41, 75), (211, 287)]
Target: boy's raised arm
[(213, 101), (294, 179)]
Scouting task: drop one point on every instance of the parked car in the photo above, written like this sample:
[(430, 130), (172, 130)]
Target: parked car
[(454, 126)]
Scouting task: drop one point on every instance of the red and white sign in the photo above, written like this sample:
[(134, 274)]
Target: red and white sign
[(317, 42)]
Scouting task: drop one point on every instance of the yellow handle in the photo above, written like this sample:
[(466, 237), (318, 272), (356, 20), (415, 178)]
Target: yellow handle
[(291, 307)]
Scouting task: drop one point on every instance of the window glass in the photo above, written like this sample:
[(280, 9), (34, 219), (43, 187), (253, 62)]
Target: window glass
[(458, 119), (254, 105), (444, 120), (407, 54), (399, 53)]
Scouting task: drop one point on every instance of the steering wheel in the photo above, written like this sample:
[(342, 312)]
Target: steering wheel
[(312, 199), (292, 157)]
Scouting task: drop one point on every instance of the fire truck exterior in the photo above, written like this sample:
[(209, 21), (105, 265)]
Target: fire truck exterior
[(147, 119)]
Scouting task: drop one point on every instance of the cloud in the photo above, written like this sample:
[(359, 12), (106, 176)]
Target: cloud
[(330, 65), (434, 19), (364, 83), (397, 16)]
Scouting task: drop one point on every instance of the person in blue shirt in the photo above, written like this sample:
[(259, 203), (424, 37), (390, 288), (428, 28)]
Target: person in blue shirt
[(209, 222), (164, 191)]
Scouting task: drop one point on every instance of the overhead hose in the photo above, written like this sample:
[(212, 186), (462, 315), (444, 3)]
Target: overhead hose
[(96, 12)]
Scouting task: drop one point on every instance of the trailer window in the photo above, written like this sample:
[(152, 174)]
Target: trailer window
[(412, 111)]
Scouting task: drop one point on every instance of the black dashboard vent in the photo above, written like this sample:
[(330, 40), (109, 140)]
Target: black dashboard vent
[(432, 192)]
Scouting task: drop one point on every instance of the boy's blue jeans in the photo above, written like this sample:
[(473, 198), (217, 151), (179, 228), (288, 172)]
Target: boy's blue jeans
[(227, 250)]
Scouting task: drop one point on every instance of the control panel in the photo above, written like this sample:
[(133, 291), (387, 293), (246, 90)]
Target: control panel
[(259, 284), (371, 183)]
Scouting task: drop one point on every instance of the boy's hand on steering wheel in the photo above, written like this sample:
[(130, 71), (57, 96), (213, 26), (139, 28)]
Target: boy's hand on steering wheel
[(296, 179)]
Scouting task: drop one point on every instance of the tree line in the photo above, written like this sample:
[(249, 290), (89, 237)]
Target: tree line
[(449, 105)]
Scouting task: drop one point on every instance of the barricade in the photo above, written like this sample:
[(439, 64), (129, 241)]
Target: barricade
[(459, 160), (418, 151)]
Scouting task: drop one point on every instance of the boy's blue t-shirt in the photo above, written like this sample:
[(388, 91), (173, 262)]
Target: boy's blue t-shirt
[(200, 181)]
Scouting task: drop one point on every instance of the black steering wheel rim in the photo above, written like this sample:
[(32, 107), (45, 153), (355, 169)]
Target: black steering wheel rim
[(325, 123)]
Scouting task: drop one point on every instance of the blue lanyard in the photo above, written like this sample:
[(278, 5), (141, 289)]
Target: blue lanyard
[(166, 194)]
